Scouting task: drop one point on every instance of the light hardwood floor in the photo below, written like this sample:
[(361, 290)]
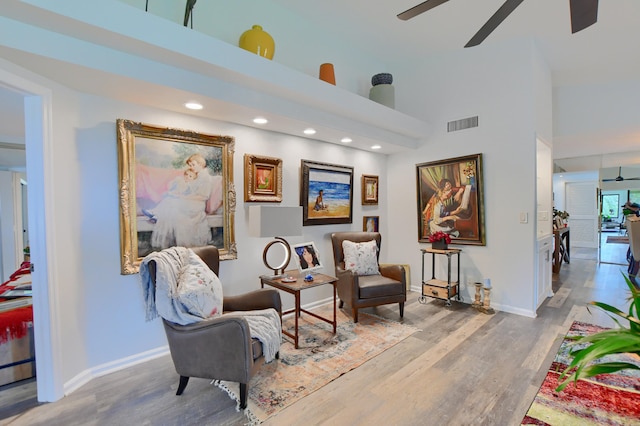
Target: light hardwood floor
[(462, 368)]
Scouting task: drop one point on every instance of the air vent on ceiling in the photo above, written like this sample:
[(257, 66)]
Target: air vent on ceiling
[(464, 123)]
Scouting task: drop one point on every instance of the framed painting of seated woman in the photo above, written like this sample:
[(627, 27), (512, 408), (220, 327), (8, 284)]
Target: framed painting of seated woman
[(450, 199), (176, 189)]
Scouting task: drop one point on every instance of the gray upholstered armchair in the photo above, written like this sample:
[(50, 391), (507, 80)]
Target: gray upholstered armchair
[(361, 291), (219, 348)]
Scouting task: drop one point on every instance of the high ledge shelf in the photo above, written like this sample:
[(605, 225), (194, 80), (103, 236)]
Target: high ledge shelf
[(193, 62)]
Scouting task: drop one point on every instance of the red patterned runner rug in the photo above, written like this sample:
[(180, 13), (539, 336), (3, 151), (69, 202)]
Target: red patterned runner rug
[(606, 399), (321, 358)]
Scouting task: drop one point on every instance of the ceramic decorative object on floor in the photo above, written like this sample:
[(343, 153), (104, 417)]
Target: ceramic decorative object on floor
[(327, 73), (383, 91), (258, 41)]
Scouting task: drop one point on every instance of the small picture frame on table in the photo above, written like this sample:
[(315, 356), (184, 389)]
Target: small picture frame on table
[(307, 257)]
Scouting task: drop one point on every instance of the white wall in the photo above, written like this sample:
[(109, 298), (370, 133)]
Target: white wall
[(9, 263), (109, 306), (488, 83), (584, 113)]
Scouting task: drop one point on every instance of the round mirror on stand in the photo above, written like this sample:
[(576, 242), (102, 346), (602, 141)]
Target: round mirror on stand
[(277, 250)]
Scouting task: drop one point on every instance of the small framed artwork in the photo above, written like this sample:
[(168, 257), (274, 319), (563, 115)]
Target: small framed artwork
[(176, 189), (326, 194), (451, 200), (307, 257), (262, 179), (369, 190), (370, 223)]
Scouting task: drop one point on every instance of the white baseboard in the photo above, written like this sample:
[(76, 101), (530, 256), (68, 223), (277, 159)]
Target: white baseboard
[(111, 367), (496, 307)]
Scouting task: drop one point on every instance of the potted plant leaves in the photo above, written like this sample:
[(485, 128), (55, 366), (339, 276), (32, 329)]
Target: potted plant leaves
[(588, 361)]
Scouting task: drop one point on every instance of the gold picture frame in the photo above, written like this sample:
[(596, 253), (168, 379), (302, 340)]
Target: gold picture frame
[(262, 179), (176, 188), (451, 199), (369, 190)]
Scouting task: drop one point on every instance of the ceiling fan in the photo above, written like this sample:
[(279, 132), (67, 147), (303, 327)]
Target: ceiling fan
[(620, 178), (584, 13)]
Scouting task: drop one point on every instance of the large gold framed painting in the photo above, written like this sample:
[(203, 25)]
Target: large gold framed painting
[(451, 200), (176, 189)]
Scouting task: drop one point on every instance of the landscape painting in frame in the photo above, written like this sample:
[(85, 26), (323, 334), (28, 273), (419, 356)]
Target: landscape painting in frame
[(326, 195), (176, 189), (450, 199)]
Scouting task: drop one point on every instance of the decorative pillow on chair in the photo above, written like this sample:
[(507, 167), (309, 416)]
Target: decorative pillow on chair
[(361, 258), (199, 289)]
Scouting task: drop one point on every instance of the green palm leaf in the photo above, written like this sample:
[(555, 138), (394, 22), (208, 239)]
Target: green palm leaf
[(608, 342)]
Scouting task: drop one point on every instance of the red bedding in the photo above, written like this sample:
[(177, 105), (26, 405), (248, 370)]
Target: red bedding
[(15, 321)]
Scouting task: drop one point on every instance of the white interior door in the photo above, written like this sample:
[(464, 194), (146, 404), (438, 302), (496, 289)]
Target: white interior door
[(581, 203)]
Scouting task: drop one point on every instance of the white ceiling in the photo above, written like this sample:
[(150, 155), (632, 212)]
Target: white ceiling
[(604, 52)]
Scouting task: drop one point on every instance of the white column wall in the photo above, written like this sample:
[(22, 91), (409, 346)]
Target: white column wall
[(488, 83)]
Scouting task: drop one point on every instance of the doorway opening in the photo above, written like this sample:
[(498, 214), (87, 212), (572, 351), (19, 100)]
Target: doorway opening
[(613, 237)]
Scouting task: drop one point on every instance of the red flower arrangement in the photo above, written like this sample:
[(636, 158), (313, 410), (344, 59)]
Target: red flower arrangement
[(440, 236)]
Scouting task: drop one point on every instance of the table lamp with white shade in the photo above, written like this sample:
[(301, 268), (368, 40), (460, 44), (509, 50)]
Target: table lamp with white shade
[(276, 222)]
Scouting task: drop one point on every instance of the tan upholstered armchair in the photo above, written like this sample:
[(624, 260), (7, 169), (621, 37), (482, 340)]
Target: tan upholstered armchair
[(361, 291), (219, 348)]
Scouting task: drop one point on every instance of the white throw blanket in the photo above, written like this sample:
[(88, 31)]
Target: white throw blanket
[(163, 298), (266, 327)]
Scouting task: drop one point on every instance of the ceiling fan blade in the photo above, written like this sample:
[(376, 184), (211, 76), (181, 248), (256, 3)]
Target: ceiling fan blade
[(420, 8), (584, 13), (493, 22)]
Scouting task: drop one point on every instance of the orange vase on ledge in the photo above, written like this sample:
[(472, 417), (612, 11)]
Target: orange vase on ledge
[(327, 73), (258, 41)]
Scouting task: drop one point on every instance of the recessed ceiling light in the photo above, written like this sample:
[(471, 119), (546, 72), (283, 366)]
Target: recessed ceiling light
[(376, 147), (346, 140), (309, 131), (260, 120), (193, 105)]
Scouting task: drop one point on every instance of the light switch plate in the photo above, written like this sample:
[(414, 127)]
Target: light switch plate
[(524, 217)]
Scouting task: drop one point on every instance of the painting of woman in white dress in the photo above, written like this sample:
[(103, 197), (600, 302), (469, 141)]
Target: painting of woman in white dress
[(175, 189), (179, 195)]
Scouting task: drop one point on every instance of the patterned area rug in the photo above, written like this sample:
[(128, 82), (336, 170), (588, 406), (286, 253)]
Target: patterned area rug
[(321, 358), (622, 239), (607, 399)]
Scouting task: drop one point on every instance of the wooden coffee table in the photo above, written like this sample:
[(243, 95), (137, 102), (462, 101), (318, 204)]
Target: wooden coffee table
[(295, 288)]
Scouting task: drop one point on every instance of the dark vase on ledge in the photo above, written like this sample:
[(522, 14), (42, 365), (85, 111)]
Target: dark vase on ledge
[(439, 245)]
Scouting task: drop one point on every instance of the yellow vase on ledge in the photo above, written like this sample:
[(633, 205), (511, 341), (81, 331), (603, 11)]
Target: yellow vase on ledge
[(258, 41)]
